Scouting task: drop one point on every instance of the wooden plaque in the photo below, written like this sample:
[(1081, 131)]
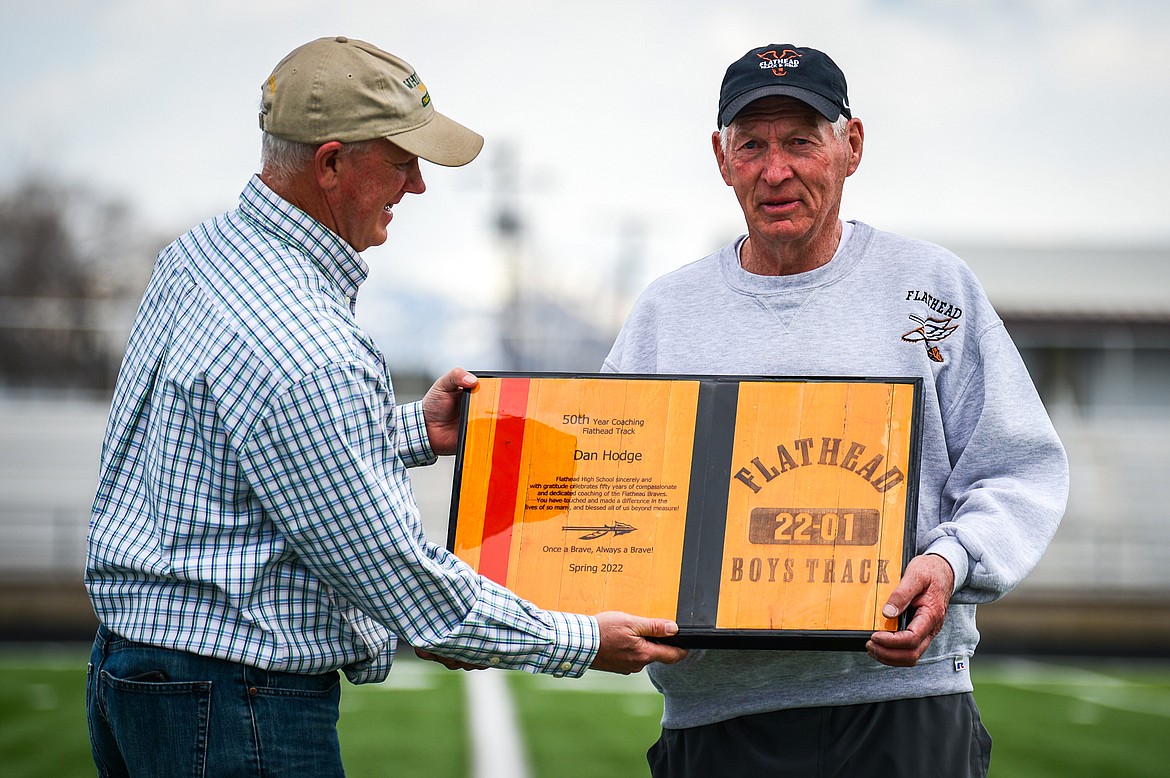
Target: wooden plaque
[(755, 512)]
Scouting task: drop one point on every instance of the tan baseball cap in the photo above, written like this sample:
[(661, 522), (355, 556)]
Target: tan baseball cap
[(348, 90)]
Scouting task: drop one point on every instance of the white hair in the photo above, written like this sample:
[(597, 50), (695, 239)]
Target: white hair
[(840, 131), (283, 159)]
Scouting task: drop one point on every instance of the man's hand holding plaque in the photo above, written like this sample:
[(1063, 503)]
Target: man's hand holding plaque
[(625, 647), (926, 587)]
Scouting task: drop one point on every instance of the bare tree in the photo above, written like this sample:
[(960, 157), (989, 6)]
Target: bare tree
[(72, 266)]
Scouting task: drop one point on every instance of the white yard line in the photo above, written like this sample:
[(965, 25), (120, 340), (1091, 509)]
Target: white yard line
[(1077, 683), (496, 747), (597, 683), (412, 674)]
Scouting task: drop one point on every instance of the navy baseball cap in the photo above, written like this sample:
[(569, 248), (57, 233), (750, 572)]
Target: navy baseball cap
[(784, 69)]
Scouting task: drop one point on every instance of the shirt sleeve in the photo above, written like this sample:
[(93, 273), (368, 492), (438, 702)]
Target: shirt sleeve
[(414, 447), (1008, 486), (327, 464)]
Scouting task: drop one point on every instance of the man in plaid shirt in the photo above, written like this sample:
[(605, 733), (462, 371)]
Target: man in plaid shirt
[(254, 531)]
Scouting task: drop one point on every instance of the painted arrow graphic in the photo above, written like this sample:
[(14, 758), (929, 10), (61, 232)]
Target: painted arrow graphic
[(592, 533)]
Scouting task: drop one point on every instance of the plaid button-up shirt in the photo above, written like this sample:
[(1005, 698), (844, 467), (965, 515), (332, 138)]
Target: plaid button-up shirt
[(253, 501)]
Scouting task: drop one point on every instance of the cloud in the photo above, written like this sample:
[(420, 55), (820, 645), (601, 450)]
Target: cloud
[(1002, 120)]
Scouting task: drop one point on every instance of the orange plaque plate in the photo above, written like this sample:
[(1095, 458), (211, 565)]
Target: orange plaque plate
[(755, 512)]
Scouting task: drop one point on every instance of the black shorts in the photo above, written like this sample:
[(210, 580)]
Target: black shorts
[(930, 737)]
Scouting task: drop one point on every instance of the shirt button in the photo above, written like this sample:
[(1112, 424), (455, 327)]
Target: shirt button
[(566, 666), (495, 660)]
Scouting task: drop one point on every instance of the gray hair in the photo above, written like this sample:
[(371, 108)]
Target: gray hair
[(283, 160), (840, 131)]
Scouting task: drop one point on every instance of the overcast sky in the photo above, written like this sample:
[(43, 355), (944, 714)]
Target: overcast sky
[(994, 121)]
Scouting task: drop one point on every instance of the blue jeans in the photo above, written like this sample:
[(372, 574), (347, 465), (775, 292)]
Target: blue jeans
[(160, 713)]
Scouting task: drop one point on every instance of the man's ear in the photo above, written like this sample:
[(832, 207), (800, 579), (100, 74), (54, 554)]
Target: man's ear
[(720, 157), (327, 164), (856, 139)]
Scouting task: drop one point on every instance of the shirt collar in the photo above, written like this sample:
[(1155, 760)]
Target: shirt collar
[(335, 258)]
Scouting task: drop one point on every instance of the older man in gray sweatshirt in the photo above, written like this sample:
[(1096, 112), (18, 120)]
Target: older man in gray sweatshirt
[(804, 293)]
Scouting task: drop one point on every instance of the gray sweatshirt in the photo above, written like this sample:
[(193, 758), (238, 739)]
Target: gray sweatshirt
[(994, 477)]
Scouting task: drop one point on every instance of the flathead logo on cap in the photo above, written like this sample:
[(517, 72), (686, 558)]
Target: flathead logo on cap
[(779, 63), (414, 82)]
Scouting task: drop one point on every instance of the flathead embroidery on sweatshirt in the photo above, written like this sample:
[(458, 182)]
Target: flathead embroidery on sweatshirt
[(934, 327)]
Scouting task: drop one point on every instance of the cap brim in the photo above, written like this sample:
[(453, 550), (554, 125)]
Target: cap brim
[(824, 106), (441, 141)]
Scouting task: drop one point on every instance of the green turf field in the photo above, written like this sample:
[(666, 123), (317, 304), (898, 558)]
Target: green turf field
[(1069, 718)]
